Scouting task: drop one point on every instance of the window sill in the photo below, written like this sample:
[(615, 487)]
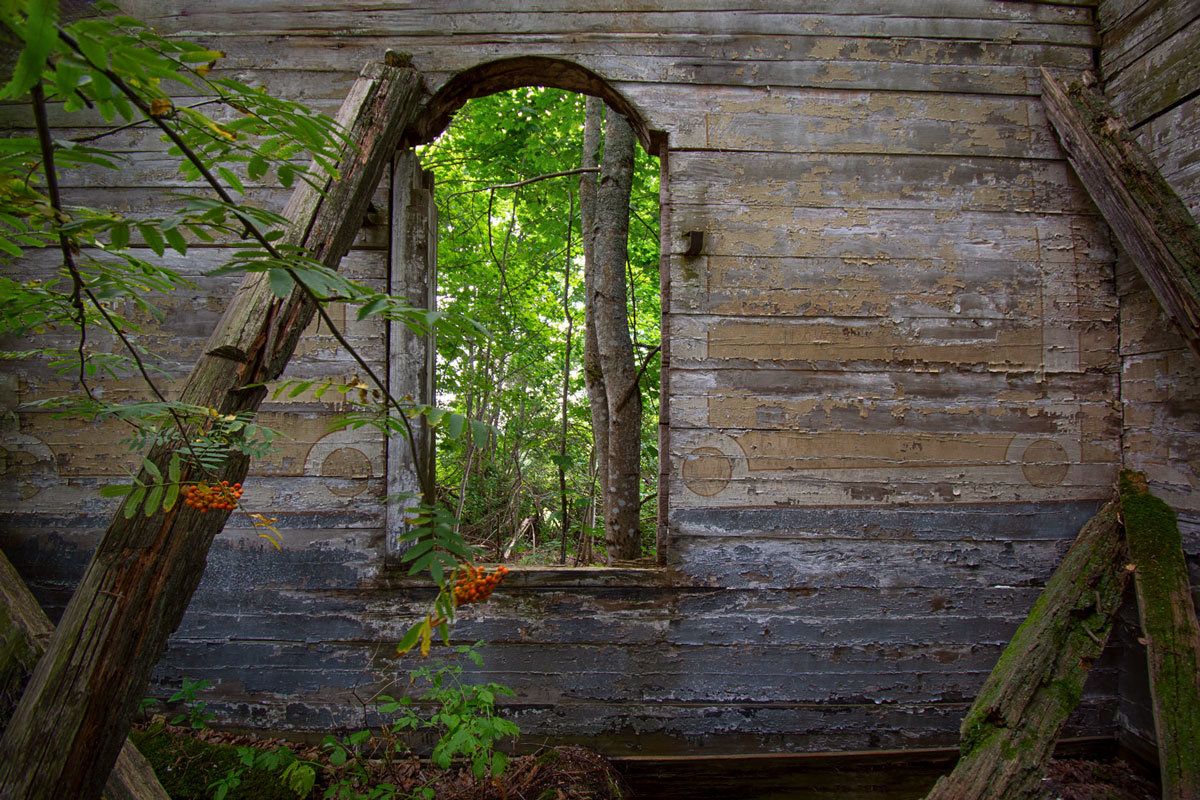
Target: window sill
[(521, 576)]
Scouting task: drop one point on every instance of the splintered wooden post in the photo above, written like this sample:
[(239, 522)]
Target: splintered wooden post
[(1145, 213), (73, 717), (1009, 733), (24, 631), (1170, 631)]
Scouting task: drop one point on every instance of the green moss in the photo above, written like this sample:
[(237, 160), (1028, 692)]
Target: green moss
[(1156, 548), (1068, 691), (185, 766), (976, 732)]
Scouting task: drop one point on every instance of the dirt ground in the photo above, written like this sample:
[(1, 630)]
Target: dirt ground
[(575, 773), (1073, 779)]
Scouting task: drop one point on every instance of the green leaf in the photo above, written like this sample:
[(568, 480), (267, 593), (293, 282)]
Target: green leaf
[(281, 282), (410, 639), (480, 432), (40, 39), (134, 501), (200, 56), (417, 550), (372, 307), (118, 236), (152, 237), (287, 174), (116, 490), (454, 425), (176, 240), (175, 468), (232, 179), (153, 500), (300, 388), (152, 468), (171, 496), (256, 167)]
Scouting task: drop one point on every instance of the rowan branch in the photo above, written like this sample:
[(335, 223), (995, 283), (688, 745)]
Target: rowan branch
[(252, 230), (137, 124), (38, 97)]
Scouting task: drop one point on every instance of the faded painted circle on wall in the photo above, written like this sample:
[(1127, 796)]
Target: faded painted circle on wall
[(706, 471), (345, 471), (1045, 463)]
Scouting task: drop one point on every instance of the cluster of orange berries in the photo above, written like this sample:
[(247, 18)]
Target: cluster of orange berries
[(202, 497), (475, 585)]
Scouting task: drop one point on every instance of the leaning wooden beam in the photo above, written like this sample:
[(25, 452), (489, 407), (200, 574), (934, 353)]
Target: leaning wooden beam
[(73, 717), (1149, 219), (1010, 731), (24, 631), (1171, 633)]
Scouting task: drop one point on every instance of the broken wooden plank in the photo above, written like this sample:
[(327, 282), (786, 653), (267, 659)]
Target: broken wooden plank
[(73, 717), (1145, 213), (1010, 731), (1170, 631), (24, 632)]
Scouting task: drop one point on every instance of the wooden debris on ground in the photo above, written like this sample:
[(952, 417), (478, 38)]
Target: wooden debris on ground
[(1169, 631), (1010, 731), (557, 773)]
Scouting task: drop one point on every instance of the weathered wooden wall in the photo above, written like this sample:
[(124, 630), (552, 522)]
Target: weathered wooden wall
[(893, 374), (1149, 61)]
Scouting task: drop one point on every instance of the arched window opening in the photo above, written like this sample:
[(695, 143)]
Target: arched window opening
[(505, 178)]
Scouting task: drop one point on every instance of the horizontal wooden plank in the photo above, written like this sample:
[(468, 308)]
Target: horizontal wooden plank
[(845, 121), (1070, 24), (765, 448), (902, 289), (830, 180), (855, 344), (265, 60), (1139, 32), (948, 387), (997, 522), (1159, 79), (1064, 11), (876, 236), (305, 447), (1110, 12), (708, 477), (826, 73), (972, 415), (306, 502)]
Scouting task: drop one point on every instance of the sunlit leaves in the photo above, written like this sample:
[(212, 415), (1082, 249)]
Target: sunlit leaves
[(501, 256)]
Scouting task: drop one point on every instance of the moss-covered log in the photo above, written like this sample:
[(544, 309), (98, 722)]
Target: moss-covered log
[(1010, 731), (1170, 631), (24, 631), (1152, 223)]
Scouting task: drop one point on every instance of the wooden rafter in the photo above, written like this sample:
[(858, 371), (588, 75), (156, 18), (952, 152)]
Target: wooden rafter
[(1145, 213)]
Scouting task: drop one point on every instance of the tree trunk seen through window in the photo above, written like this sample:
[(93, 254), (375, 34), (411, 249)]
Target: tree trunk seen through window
[(618, 429)]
